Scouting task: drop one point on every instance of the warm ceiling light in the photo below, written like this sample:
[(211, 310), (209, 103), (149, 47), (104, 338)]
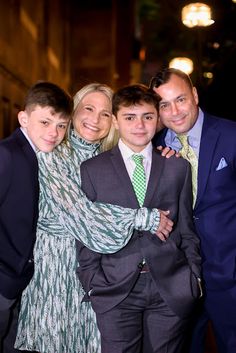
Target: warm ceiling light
[(216, 45), (197, 14), (234, 0), (183, 64), (208, 75)]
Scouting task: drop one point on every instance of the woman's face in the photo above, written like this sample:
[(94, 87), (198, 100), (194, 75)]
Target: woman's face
[(93, 117)]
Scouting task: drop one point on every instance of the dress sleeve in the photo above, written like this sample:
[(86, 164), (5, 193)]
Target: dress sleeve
[(101, 227)]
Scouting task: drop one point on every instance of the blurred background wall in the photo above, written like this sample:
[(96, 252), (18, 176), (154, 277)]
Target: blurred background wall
[(116, 42)]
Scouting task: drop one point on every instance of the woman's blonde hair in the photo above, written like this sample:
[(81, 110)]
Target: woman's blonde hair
[(111, 139)]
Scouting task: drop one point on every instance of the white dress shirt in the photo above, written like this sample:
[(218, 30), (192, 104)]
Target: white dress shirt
[(127, 153)]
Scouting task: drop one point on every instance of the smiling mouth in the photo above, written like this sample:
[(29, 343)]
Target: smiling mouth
[(92, 128), (139, 134), (50, 142), (178, 120)]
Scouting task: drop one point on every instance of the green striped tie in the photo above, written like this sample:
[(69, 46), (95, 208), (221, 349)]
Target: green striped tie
[(139, 178)]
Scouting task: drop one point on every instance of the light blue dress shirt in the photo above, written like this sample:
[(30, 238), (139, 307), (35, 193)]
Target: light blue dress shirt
[(194, 136)]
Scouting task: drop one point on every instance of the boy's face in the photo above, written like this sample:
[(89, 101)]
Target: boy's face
[(137, 125), (45, 128)]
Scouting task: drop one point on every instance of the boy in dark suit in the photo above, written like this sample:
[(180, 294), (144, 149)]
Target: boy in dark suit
[(43, 122), (144, 293)]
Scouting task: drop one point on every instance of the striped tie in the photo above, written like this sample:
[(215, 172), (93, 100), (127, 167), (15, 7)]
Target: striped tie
[(139, 178), (188, 153)]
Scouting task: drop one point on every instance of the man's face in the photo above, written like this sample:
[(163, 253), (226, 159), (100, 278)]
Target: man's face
[(137, 125), (178, 106), (45, 128)]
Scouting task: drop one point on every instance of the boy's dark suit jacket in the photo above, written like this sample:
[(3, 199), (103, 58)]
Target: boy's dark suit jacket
[(174, 264), (18, 213)]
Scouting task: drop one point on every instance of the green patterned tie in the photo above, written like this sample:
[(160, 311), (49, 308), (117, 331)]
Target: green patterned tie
[(139, 178), (188, 153)]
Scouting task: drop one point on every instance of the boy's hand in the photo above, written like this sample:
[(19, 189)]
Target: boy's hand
[(165, 226), (168, 152)]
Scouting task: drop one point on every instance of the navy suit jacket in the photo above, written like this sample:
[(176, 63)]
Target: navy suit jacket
[(174, 264), (215, 208), (18, 213)]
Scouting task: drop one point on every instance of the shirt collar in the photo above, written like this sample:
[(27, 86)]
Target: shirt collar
[(127, 153), (194, 135), (29, 140)]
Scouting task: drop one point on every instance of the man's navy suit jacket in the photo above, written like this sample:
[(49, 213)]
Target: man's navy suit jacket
[(18, 213), (215, 208), (174, 264)]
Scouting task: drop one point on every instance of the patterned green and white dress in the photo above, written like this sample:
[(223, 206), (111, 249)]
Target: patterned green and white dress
[(52, 317)]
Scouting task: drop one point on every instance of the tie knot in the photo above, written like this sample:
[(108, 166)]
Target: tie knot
[(138, 159), (183, 139)]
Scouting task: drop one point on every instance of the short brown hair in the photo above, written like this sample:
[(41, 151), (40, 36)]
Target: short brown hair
[(48, 94), (134, 94)]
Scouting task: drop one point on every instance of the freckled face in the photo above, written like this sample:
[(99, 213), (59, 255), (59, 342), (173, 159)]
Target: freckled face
[(93, 117), (178, 108), (45, 128)]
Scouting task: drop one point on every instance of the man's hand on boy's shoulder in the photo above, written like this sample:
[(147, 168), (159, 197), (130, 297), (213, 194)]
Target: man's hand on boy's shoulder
[(165, 226), (167, 152)]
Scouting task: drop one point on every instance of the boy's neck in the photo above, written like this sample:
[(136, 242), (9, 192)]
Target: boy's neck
[(136, 150), (27, 137)]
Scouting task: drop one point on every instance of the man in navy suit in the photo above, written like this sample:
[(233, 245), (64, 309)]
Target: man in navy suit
[(43, 124), (214, 143), (144, 293)]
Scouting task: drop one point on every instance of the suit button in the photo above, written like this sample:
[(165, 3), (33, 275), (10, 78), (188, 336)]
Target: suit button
[(140, 234)]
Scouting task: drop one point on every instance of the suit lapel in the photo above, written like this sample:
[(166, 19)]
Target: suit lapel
[(208, 143), (159, 138), (123, 176), (155, 174), (30, 156)]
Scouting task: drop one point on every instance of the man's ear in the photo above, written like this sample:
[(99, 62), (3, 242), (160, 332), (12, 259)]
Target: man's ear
[(114, 122), (23, 118)]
